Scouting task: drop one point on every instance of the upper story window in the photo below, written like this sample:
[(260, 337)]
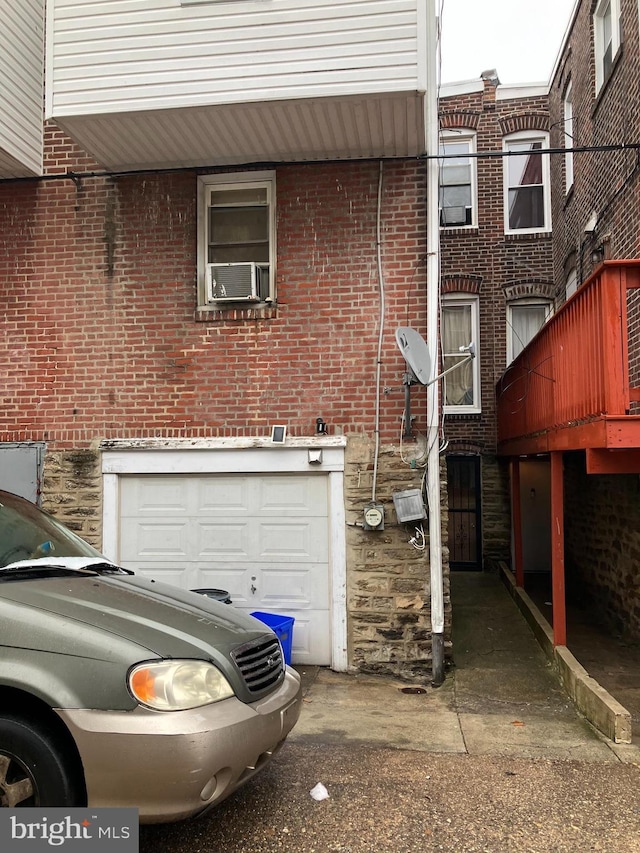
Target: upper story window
[(459, 328), (606, 34), (571, 284), (525, 318), (526, 183), (236, 238), (568, 138), (457, 200)]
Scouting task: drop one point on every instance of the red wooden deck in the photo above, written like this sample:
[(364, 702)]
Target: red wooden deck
[(569, 389)]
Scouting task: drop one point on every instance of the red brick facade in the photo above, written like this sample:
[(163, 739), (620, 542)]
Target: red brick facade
[(102, 338), (498, 268)]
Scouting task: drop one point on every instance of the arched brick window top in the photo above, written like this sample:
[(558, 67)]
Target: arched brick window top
[(461, 284), (524, 121), (459, 121), (528, 290)]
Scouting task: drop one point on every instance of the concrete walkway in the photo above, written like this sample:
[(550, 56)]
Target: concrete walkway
[(502, 697)]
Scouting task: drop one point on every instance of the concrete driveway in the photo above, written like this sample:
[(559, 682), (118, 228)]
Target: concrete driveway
[(496, 760)]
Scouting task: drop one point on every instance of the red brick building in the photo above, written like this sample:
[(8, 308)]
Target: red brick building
[(496, 265), (227, 258)]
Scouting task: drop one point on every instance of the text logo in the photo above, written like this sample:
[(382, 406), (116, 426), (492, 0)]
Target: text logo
[(33, 830)]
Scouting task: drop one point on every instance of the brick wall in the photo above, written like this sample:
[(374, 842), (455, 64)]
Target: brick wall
[(602, 544), (99, 285), (498, 268), (601, 512), (102, 340)]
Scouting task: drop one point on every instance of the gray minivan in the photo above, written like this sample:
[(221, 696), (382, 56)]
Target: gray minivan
[(116, 690)]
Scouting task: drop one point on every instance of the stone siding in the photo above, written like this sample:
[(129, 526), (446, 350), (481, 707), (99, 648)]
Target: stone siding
[(602, 544)]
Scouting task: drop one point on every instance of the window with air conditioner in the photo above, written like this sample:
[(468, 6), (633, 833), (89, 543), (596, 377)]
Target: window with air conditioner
[(459, 327), (527, 202), (236, 239), (457, 194)]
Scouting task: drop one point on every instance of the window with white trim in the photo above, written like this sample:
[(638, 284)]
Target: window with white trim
[(457, 195), (525, 318), (571, 284), (527, 206), (606, 35), (568, 138), (236, 239), (459, 328)]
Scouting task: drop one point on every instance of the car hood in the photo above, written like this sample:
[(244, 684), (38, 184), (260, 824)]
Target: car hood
[(166, 621)]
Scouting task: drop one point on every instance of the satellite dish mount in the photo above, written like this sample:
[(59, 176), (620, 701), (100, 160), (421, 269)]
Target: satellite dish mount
[(416, 354)]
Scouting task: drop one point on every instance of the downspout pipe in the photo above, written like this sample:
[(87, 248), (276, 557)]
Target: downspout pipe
[(433, 398)]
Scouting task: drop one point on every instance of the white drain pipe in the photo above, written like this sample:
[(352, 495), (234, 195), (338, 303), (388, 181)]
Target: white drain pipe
[(433, 310)]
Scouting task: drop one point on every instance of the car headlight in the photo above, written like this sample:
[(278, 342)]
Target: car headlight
[(177, 685)]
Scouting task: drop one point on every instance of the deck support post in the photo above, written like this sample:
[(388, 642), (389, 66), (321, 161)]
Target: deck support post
[(516, 510), (557, 550)]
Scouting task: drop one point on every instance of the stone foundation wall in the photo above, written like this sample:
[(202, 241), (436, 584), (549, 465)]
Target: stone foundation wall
[(496, 509), (602, 544), (388, 580), (72, 491)]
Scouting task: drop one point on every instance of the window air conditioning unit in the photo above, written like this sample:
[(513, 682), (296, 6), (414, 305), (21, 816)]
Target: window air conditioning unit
[(233, 283), (454, 215)]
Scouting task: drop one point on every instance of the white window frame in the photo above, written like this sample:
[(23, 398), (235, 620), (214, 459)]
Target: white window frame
[(571, 284), (517, 139), (462, 299), (447, 137), (602, 42), (231, 181), (568, 137), (530, 302)]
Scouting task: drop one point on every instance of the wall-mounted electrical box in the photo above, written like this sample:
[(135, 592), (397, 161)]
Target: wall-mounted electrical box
[(409, 505), (373, 518)]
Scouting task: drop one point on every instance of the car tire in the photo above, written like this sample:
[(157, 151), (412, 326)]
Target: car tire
[(33, 771)]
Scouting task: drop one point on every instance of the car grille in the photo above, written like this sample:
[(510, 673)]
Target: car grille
[(260, 663)]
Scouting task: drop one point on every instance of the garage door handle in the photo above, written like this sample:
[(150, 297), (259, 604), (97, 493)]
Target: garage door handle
[(253, 589)]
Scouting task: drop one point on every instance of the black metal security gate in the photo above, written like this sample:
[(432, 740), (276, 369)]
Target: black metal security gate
[(465, 542)]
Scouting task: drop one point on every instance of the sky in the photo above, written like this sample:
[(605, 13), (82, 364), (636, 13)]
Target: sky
[(519, 38)]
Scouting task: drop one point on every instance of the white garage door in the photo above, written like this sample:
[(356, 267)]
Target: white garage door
[(264, 538)]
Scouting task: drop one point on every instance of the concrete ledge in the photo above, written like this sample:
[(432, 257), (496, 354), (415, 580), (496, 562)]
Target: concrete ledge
[(591, 699)]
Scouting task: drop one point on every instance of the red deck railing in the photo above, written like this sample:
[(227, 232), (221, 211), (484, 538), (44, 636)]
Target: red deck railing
[(576, 369)]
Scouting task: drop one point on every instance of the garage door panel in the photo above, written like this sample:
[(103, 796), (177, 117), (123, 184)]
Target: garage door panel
[(292, 495), (277, 586), (161, 539), (220, 541), (311, 637), (160, 496), (224, 495), (262, 537), (173, 574), (233, 580), (300, 541)]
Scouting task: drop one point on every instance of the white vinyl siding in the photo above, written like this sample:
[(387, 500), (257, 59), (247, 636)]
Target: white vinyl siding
[(21, 61), (107, 56)]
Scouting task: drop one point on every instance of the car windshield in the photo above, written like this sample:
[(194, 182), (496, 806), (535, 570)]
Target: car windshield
[(27, 533)]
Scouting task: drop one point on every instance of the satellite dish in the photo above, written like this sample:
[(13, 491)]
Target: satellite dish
[(416, 353)]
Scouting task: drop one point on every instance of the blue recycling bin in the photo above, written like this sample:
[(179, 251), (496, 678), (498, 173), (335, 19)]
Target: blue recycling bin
[(283, 627)]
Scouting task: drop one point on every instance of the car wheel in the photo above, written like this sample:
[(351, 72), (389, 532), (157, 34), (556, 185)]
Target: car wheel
[(32, 769)]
